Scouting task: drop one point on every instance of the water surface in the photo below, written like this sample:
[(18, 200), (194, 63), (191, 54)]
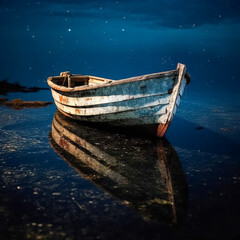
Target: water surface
[(85, 182), (191, 180)]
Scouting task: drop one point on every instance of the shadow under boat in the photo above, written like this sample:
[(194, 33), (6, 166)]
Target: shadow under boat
[(142, 173)]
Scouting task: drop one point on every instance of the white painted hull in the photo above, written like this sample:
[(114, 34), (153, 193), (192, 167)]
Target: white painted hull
[(149, 100)]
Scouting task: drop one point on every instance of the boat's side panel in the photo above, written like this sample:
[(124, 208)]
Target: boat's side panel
[(140, 111), (129, 104), (116, 93), (127, 118), (116, 107)]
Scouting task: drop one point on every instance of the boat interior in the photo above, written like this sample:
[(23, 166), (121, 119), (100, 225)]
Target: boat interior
[(74, 80), (70, 80)]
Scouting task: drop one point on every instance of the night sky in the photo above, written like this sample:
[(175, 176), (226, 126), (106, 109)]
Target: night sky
[(119, 39)]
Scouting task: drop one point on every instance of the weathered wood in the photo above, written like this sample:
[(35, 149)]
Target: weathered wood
[(112, 114), (121, 106), (53, 81), (69, 82), (181, 72), (115, 93), (103, 100), (144, 100)]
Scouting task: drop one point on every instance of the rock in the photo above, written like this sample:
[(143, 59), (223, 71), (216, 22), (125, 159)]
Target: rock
[(18, 104)]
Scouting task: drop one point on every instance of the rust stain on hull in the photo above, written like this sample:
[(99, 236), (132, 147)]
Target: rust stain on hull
[(63, 99), (64, 143), (60, 98), (77, 111)]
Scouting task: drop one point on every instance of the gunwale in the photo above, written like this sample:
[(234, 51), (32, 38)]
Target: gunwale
[(109, 82)]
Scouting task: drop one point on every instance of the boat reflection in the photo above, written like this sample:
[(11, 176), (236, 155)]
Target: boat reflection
[(142, 173)]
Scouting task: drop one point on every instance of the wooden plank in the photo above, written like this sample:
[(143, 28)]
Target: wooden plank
[(88, 77), (101, 100), (79, 78), (181, 69), (171, 108), (69, 81), (115, 107), (110, 120), (116, 93), (115, 110)]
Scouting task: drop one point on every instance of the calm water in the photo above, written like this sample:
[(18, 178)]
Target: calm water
[(183, 187), (61, 180)]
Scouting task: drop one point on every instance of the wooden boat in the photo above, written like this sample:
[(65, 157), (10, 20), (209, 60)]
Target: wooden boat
[(147, 102), (143, 174)]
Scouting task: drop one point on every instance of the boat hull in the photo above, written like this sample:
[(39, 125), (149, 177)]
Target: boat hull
[(148, 102)]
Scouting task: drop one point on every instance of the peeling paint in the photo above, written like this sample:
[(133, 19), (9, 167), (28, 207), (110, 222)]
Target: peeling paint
[(144, 100)]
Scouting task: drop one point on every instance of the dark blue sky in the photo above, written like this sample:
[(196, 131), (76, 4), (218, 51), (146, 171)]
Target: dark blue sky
[(118, 39)]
